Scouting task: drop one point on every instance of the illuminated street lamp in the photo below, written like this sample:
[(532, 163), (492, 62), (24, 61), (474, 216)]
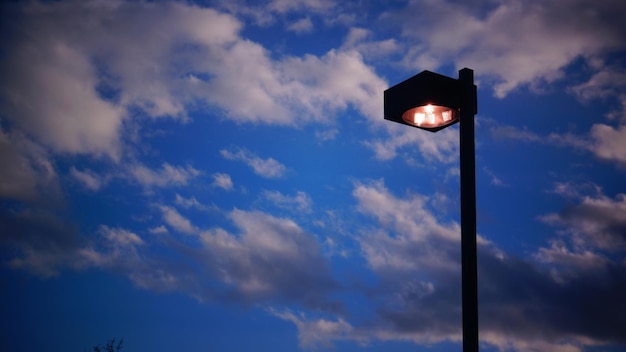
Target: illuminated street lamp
[(432, 102)]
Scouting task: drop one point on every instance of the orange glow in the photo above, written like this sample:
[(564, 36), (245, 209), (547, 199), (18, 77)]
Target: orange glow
[(431, 116)]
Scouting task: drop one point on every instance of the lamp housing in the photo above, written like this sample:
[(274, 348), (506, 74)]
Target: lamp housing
[(428, 100)]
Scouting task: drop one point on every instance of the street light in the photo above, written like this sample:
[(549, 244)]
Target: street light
[(432, 102)]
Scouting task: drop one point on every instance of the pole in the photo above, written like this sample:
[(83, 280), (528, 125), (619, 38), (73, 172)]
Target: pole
[(469, 263)]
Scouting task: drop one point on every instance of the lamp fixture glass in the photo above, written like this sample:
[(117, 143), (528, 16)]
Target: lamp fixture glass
[(431, 116)]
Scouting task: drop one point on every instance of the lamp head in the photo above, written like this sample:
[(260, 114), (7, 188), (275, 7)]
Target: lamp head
[(427, 100)]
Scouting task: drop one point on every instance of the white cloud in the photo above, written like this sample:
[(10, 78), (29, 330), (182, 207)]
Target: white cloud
[(284, 6), (314, 333), (608, 82), (300, 201), (116, 248), (159, 230), (268, 168), (269, 259), (360, 39), (268, 12), (72, 94), (559, 253), (178, 222), (75, 95), (124, 251), (515, 43), (303, 25), (222, 181), (604, 141), (443, 147), (510, 343), (495, 180), (121, 237), (168, 175), (411, 238), (295, 90), (326, 135), (88, 179), (49, 87), (575, 190), (322, 85), (609, 143), (189, 202)]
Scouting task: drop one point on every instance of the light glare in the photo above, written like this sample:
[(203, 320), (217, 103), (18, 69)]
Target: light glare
[(419, 118), (430, 116)]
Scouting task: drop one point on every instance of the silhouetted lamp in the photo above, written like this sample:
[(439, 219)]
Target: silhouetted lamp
[(432, 102)]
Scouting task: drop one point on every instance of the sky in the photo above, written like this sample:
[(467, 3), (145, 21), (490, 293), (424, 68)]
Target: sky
[(218, 176)]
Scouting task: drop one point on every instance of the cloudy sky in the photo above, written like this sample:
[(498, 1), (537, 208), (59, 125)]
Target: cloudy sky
[(218, 176)]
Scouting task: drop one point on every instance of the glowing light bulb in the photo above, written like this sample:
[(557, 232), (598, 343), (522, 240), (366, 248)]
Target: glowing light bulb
[(419, 118), (431, 118)]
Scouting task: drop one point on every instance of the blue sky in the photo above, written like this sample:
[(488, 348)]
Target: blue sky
[(218, 176)]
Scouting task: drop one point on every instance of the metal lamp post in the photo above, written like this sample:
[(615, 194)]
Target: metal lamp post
[(432, 102)]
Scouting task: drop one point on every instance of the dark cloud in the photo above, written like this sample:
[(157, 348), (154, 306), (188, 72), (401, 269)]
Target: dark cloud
[(597, 222), (27, 173), (520, 305), (520, 299), (603, 223), (432, 311), (41, 241), (562, 298)]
